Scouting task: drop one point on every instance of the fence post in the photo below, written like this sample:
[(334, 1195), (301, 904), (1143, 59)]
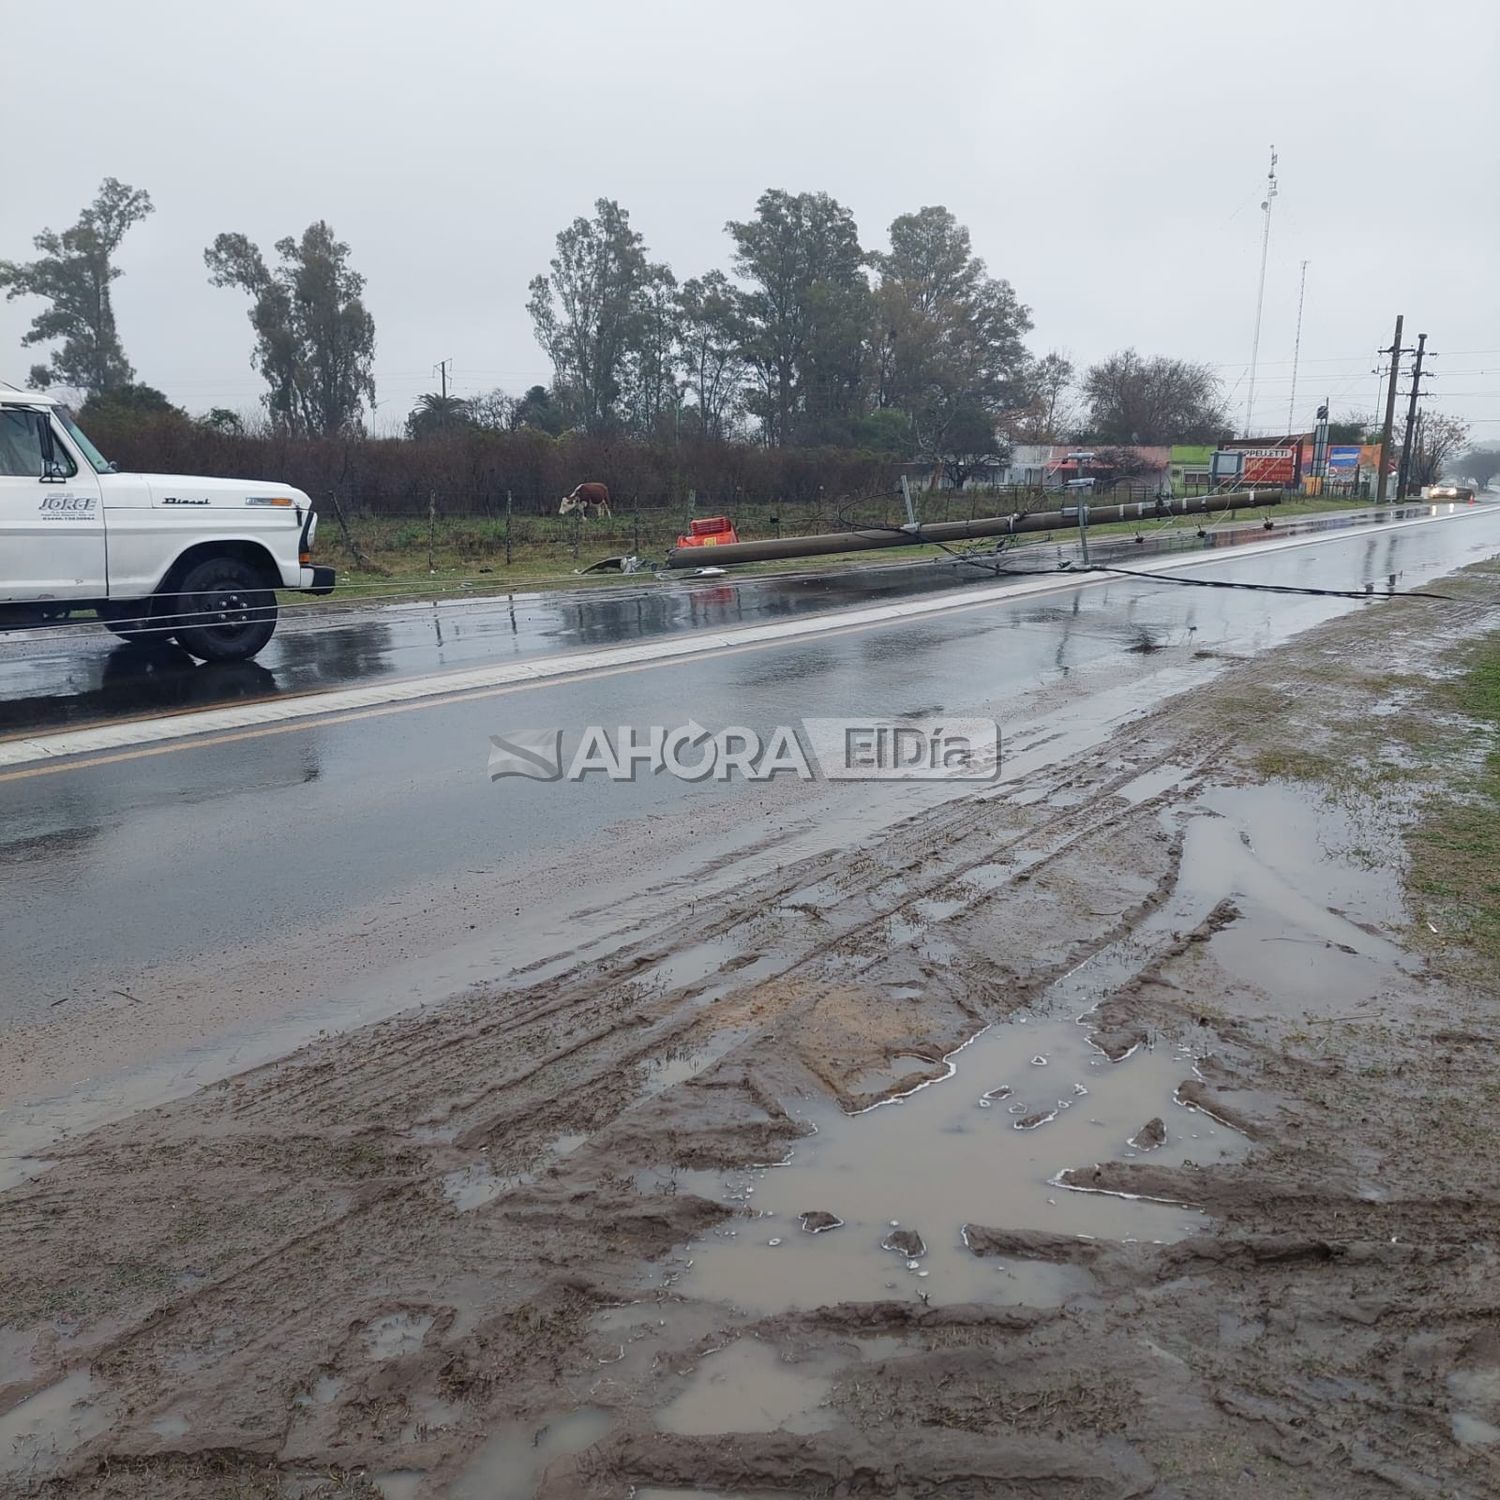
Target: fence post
[(577, 522), (635, 521), (507, 528), (351, 546), (431, 529)]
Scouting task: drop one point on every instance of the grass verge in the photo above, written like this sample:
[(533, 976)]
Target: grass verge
[(1455, 849), (1416, 749)]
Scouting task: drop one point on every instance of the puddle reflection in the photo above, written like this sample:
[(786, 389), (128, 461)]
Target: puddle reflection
[(1025, 1100)]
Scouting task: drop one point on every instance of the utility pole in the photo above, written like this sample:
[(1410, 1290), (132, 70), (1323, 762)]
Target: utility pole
[(1260, 296), (1390, 411), (1291, 405), (1404, 475), (442, 373), (1320, 441)]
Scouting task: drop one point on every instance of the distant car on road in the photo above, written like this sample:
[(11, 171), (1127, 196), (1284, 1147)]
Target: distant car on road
[(1449, 492), (156, 557)]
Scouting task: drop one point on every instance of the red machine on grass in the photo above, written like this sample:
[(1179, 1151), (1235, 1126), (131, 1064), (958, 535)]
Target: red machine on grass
[(709, 531)]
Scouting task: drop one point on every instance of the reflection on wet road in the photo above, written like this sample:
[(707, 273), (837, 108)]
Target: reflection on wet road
[(83, 675), (356, 858)]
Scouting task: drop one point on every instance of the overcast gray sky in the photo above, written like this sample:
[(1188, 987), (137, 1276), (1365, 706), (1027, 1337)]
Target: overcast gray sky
[(1108, 157)]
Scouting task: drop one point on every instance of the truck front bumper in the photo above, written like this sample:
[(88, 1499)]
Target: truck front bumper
[(316, 581)]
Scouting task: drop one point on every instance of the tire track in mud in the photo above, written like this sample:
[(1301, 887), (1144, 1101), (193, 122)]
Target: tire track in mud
[(1250, 1357), (670, 1014), (287, 1103)]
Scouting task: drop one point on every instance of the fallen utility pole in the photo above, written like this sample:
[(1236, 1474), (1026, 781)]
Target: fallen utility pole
[(774, 548)]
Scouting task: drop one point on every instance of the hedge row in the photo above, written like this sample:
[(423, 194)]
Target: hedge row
[(470, 472)]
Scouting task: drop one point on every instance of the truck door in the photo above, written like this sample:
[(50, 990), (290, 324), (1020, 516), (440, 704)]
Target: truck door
[(51, 513)]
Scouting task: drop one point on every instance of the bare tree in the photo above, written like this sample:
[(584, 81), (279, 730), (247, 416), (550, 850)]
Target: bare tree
[(1439, 439), (1047, 413), (1157, 400)]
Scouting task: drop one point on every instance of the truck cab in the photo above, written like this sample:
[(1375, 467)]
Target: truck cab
[(155, 557)]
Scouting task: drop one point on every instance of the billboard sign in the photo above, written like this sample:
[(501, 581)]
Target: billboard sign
[(1270, 466), (1343, 458)]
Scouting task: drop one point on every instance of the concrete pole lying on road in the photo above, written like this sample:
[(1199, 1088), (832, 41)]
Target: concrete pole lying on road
[(773, 548)]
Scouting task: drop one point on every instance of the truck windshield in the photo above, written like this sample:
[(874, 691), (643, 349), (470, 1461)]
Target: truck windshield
[(101, 464)]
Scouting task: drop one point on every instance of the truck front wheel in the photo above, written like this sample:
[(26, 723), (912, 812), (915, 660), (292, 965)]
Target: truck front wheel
[(228, 612), (131, 621)]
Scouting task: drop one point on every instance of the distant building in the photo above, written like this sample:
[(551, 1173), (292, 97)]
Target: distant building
[(1190, 468), (1053, 465)]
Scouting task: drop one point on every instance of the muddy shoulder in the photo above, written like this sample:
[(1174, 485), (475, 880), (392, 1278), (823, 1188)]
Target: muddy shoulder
[(1132, 1132)]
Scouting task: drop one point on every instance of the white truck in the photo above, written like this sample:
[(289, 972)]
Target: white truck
[(156, 557)]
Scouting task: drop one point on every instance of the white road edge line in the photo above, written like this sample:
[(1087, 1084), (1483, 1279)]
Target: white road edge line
[(30, 749)]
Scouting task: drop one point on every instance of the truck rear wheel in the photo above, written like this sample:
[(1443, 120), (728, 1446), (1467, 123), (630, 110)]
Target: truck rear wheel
[(228, 612)]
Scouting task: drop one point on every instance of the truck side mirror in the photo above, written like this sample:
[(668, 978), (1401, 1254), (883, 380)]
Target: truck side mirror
[(51, 469)]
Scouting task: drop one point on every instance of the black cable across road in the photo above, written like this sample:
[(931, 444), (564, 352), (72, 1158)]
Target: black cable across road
[(1264, 588)]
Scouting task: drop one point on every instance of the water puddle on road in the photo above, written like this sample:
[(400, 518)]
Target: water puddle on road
[(1025, 1101)]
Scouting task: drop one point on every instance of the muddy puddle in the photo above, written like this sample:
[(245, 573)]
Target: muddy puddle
[(396, 1334), (1312, 886), (683, 1061), (654, 1492), (748, 1387), (478, 1183), (1023, 1102), (707, 969), (1474, 1395), (511, 1462), (36, 1434)]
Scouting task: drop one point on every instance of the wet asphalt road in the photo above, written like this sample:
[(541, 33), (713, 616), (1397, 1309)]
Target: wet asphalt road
[(178, 857), (79, 675)]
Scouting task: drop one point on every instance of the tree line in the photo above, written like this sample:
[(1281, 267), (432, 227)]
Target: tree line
[(809, 340), (812, 341), (916, 351)]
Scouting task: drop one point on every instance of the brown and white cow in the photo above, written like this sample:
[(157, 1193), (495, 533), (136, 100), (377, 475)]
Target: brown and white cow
[(590, 499)]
